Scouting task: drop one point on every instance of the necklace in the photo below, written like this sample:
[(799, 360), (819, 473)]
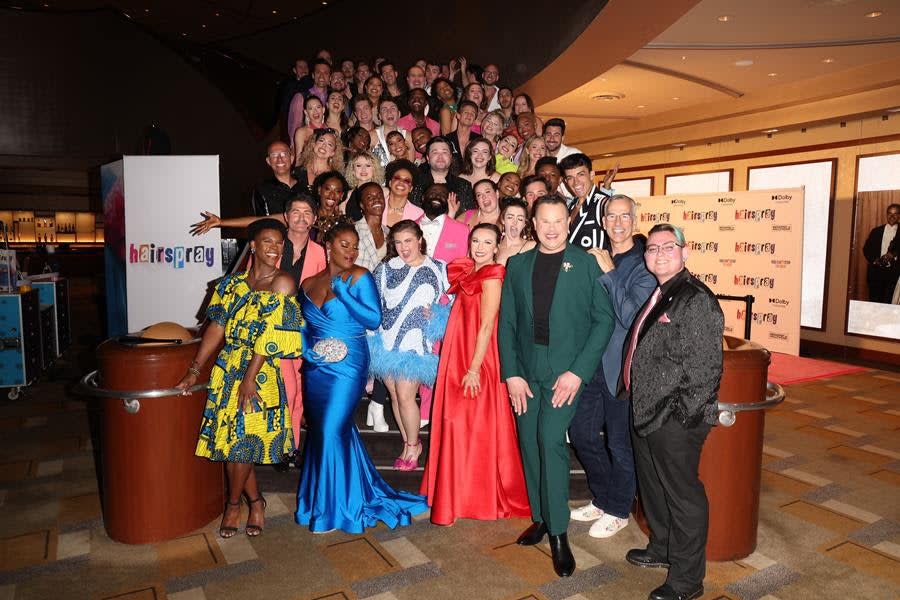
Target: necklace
[(398, 210)]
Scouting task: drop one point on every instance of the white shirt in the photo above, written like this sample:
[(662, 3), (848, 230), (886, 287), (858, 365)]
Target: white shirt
[(887, 237), (494, 104), (431, 231), (565, 151)]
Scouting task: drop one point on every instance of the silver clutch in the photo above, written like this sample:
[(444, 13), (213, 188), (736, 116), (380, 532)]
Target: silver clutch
[(331, 350)]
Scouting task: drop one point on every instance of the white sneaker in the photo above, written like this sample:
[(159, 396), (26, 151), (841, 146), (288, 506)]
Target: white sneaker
[(607, 526), (588, 512), (375, 417)]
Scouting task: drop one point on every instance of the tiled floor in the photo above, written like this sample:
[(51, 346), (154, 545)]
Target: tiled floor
[(829, 524)]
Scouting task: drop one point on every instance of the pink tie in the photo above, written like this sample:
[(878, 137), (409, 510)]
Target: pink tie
[(626, 370)]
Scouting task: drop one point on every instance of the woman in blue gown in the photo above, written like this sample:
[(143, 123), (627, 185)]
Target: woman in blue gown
[(339, 486)]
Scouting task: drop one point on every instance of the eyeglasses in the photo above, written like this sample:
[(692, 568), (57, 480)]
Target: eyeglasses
[(666, 249), (405, 180), (625, 218), (281, 154)]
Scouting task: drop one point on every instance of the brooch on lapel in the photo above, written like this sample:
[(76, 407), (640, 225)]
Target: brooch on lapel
[(567, 266)]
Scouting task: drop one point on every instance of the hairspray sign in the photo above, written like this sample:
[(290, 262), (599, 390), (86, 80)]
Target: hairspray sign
[(739, 244), (166, 272)]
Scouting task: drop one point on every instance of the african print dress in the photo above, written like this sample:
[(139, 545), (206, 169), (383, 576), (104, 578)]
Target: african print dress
[(259, 322)]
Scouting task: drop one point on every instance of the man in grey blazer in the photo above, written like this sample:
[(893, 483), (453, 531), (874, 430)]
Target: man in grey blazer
[(672, 370)]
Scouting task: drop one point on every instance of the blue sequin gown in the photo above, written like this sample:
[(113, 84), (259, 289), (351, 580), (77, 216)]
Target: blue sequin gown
[(339, 486)]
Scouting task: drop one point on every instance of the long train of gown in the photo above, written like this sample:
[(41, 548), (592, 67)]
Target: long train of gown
[(339, 486)]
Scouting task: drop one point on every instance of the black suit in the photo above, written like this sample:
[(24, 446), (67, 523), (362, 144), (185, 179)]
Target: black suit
[(674, 383), (881, 278)]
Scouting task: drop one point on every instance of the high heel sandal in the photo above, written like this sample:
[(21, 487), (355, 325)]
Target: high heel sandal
[(410, 464), (227, 532), (254, 530)]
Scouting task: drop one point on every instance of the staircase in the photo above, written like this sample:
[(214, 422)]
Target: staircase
[(383, 449)]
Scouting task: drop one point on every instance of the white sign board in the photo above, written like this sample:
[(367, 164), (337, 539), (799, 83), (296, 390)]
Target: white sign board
[(167, 271)]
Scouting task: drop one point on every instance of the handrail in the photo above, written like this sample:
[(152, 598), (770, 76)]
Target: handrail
[(130, 398), (728, 411)]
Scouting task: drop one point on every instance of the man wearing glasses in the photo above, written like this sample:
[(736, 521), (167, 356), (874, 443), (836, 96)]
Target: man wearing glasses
[(269, 195), (672, 370), (608, 460)]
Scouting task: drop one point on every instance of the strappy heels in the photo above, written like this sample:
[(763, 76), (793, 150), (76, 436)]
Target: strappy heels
[(402, 464), (254, 530), (226, 532)]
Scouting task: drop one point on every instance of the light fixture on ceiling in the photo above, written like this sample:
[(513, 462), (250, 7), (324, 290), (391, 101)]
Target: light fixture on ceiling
[(274, 12), (218, 15), (608, 96), (676, 97), (183, 34), (203, 26), (641, 106), (874, 14), (773, 130), (608, 154), (723, 18), (684, 58), (679, 145), (744, 62), (827, 61), (146, 10), (772, 74)]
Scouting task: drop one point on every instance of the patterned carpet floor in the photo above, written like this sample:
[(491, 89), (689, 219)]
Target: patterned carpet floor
[(829, 524)]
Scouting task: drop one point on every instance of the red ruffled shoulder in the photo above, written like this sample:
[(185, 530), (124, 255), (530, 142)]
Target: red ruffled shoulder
[(464, 278)]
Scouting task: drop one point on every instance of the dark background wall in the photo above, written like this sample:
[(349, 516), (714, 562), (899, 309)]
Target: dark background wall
[(521, 37), (78, 90)]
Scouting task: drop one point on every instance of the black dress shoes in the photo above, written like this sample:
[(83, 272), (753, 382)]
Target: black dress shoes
[(533, 535), (665, 592), (563, 561), (639, 557)]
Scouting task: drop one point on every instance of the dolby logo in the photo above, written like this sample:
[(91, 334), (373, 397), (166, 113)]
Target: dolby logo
[(677, 202), (781, 227), (726, 227), (777, 336), (779, 301), (781, 198), (726, 201)]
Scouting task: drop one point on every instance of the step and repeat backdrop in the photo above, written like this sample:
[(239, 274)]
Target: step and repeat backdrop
[(742, 243)]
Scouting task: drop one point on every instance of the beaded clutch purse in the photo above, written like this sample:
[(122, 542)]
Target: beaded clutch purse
[(332, 350)]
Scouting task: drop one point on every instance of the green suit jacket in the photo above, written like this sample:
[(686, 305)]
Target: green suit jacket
[(581, 317)]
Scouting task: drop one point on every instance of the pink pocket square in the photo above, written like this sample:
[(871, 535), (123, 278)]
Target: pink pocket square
[(664, 319)]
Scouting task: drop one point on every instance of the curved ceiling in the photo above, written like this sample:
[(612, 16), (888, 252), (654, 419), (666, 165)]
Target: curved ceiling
[(722, 52)]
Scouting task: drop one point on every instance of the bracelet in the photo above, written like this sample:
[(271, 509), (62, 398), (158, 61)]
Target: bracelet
[(194, 371), (475, 373)]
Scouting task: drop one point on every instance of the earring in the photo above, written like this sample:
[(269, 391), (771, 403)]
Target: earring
[(252, 250)]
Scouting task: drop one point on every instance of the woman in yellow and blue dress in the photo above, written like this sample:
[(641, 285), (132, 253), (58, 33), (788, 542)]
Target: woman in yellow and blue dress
[(247, 419)]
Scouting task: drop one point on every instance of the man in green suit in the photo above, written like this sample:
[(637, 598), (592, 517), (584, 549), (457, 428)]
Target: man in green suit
[(555, 321)]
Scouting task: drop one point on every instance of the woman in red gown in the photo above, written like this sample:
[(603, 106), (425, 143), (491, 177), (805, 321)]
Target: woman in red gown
[(474, 469)]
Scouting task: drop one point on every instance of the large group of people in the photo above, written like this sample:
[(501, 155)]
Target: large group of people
[(430, 242)]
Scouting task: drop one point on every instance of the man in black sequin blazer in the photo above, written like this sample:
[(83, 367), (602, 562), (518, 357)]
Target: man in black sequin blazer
[(672, 369)]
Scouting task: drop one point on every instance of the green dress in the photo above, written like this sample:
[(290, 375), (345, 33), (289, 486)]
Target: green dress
[(259, 322)]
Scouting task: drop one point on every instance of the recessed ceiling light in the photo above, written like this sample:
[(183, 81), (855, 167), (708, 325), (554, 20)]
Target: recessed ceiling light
[(218, 15), (874, 13), (772, 74), (827, 61), (682, 145), (773, 130), (203, 26), (744, 62), (274, 12), (183, 34), (608, 154), (641, 106), (684, 58), (608, 96), (676, 97), (146, 10), (723, 18)]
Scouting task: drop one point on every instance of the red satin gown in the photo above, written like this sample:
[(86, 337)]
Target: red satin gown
[(474, 469)]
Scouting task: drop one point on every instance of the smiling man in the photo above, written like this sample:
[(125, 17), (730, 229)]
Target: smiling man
[(586, 215), (671, 373), (555, 322)]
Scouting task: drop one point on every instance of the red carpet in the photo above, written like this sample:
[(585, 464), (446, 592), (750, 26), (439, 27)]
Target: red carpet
[(786, 368)]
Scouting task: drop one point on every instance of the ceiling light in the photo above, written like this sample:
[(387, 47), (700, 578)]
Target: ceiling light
[(681, 145), (773, 74), (146, 10), (203, 26), (676, 97), (608, 154), (723, 18), (744, 62), (684, 58), (608, 96), (773, 130), (896, 109), (274, 12), (183, 34), (641, 106), (827, 61), (874, 13)]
